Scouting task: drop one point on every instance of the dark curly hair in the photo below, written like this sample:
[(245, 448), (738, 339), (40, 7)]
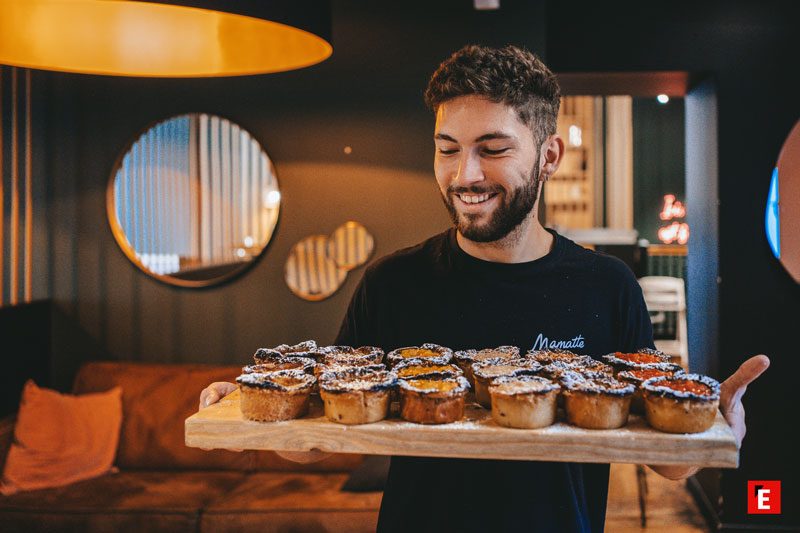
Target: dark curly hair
[(511, 75)]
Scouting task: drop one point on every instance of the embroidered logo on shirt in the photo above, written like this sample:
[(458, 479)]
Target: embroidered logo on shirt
[(544, 343)]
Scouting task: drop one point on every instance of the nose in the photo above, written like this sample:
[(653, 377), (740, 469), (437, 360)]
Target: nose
[(469, 170)]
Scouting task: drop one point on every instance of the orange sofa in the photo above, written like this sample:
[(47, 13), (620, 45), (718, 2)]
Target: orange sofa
[(162, 485)]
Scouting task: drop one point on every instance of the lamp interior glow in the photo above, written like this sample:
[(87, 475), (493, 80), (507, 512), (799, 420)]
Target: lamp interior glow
[(128, 38)]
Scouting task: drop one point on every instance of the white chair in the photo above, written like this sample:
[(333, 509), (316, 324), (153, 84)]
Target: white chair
[(664, 294)]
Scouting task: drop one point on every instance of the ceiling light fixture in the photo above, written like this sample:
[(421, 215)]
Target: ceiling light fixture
[(199, 38)]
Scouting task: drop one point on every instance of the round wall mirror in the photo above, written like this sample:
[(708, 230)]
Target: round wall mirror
[(194, 200)]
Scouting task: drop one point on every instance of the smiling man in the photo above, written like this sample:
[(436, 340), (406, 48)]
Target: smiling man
[(498, 277)]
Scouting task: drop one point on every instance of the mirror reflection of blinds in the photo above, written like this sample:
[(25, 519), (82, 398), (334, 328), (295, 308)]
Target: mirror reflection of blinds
[(350, 245), (310, 274), (153, 191), (195, 190)]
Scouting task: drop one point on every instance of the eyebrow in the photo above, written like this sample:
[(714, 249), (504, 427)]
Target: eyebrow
[(484, 137)]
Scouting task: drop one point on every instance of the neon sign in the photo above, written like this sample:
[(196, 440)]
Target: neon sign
[(676, 232)]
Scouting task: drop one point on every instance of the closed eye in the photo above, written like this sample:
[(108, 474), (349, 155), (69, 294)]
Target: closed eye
[(495, 152), (447, 152)]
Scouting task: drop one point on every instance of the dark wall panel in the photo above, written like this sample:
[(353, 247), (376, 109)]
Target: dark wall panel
[(658, 161), (746, 49)]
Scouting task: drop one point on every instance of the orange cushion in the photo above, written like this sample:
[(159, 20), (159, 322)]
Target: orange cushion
[(61, 438)]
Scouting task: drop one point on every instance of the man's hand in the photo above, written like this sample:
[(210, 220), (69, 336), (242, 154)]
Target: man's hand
[(219, 389), (730, 403), (215, 392), (732, 390)]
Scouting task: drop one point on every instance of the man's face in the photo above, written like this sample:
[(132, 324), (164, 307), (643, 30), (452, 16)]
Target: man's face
[(486, 165)]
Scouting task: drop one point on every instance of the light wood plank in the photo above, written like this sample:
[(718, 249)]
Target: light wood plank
[(476, 436)]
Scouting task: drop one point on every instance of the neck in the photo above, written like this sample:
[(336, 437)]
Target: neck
[(527, 242)]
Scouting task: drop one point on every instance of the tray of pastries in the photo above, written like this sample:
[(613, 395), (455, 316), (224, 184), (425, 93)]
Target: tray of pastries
[(489, 403)]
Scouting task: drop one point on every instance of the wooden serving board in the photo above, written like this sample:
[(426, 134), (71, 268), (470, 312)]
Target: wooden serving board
[(475, 436)]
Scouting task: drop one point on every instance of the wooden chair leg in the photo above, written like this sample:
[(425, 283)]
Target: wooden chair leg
[(641, 481)]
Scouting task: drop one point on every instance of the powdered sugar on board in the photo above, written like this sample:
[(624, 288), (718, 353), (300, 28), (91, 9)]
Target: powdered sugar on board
[(475, 436)]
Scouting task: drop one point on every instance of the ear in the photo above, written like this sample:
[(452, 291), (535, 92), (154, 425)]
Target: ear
[(552, 151)]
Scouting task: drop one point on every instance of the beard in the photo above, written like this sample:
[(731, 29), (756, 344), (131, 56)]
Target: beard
[(513, 209)]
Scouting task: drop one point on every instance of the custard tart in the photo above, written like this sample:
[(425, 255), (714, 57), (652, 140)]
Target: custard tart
[(466, 358), (303, 349), (426, 352), (583, 363), (357, 395), (525, 402), (684, 403), (345, 354), (639, 376), (281, 395), (305, 346), (484, 372), (639, 360), (338, 366), (303, 364), (416, 369), (433, 401), (596, 400), (545, 357)]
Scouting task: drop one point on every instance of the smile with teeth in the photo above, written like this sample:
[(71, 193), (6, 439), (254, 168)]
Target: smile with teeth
[(475, 198)]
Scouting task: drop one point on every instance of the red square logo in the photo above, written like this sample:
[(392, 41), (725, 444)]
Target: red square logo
[(763, 497)]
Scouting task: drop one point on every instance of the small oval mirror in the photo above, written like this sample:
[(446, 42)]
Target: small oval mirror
[(350, 245), (194, 200), (309, 273)]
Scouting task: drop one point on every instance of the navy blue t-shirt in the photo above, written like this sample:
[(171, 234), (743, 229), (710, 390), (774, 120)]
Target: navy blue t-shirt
[(571, 298)]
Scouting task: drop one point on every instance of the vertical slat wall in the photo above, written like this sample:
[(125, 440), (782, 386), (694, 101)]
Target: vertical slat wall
[(16, 186), (195, 191)]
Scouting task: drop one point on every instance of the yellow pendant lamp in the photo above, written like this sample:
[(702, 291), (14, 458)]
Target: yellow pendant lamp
[(164, 39)]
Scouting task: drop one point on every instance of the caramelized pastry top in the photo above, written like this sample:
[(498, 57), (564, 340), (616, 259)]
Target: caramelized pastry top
[(684, 387), (332, 354), (550, 356), (414, 369), (505, 367), (638, 375), (339, 365), (447, 386), (357, 379), (595, 383), (282, 380), (264, 355), (425, 352), (512, 385), (305, 346), (582, 362), (644, 358), (501, 352), (287, 363), (303, 349)]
